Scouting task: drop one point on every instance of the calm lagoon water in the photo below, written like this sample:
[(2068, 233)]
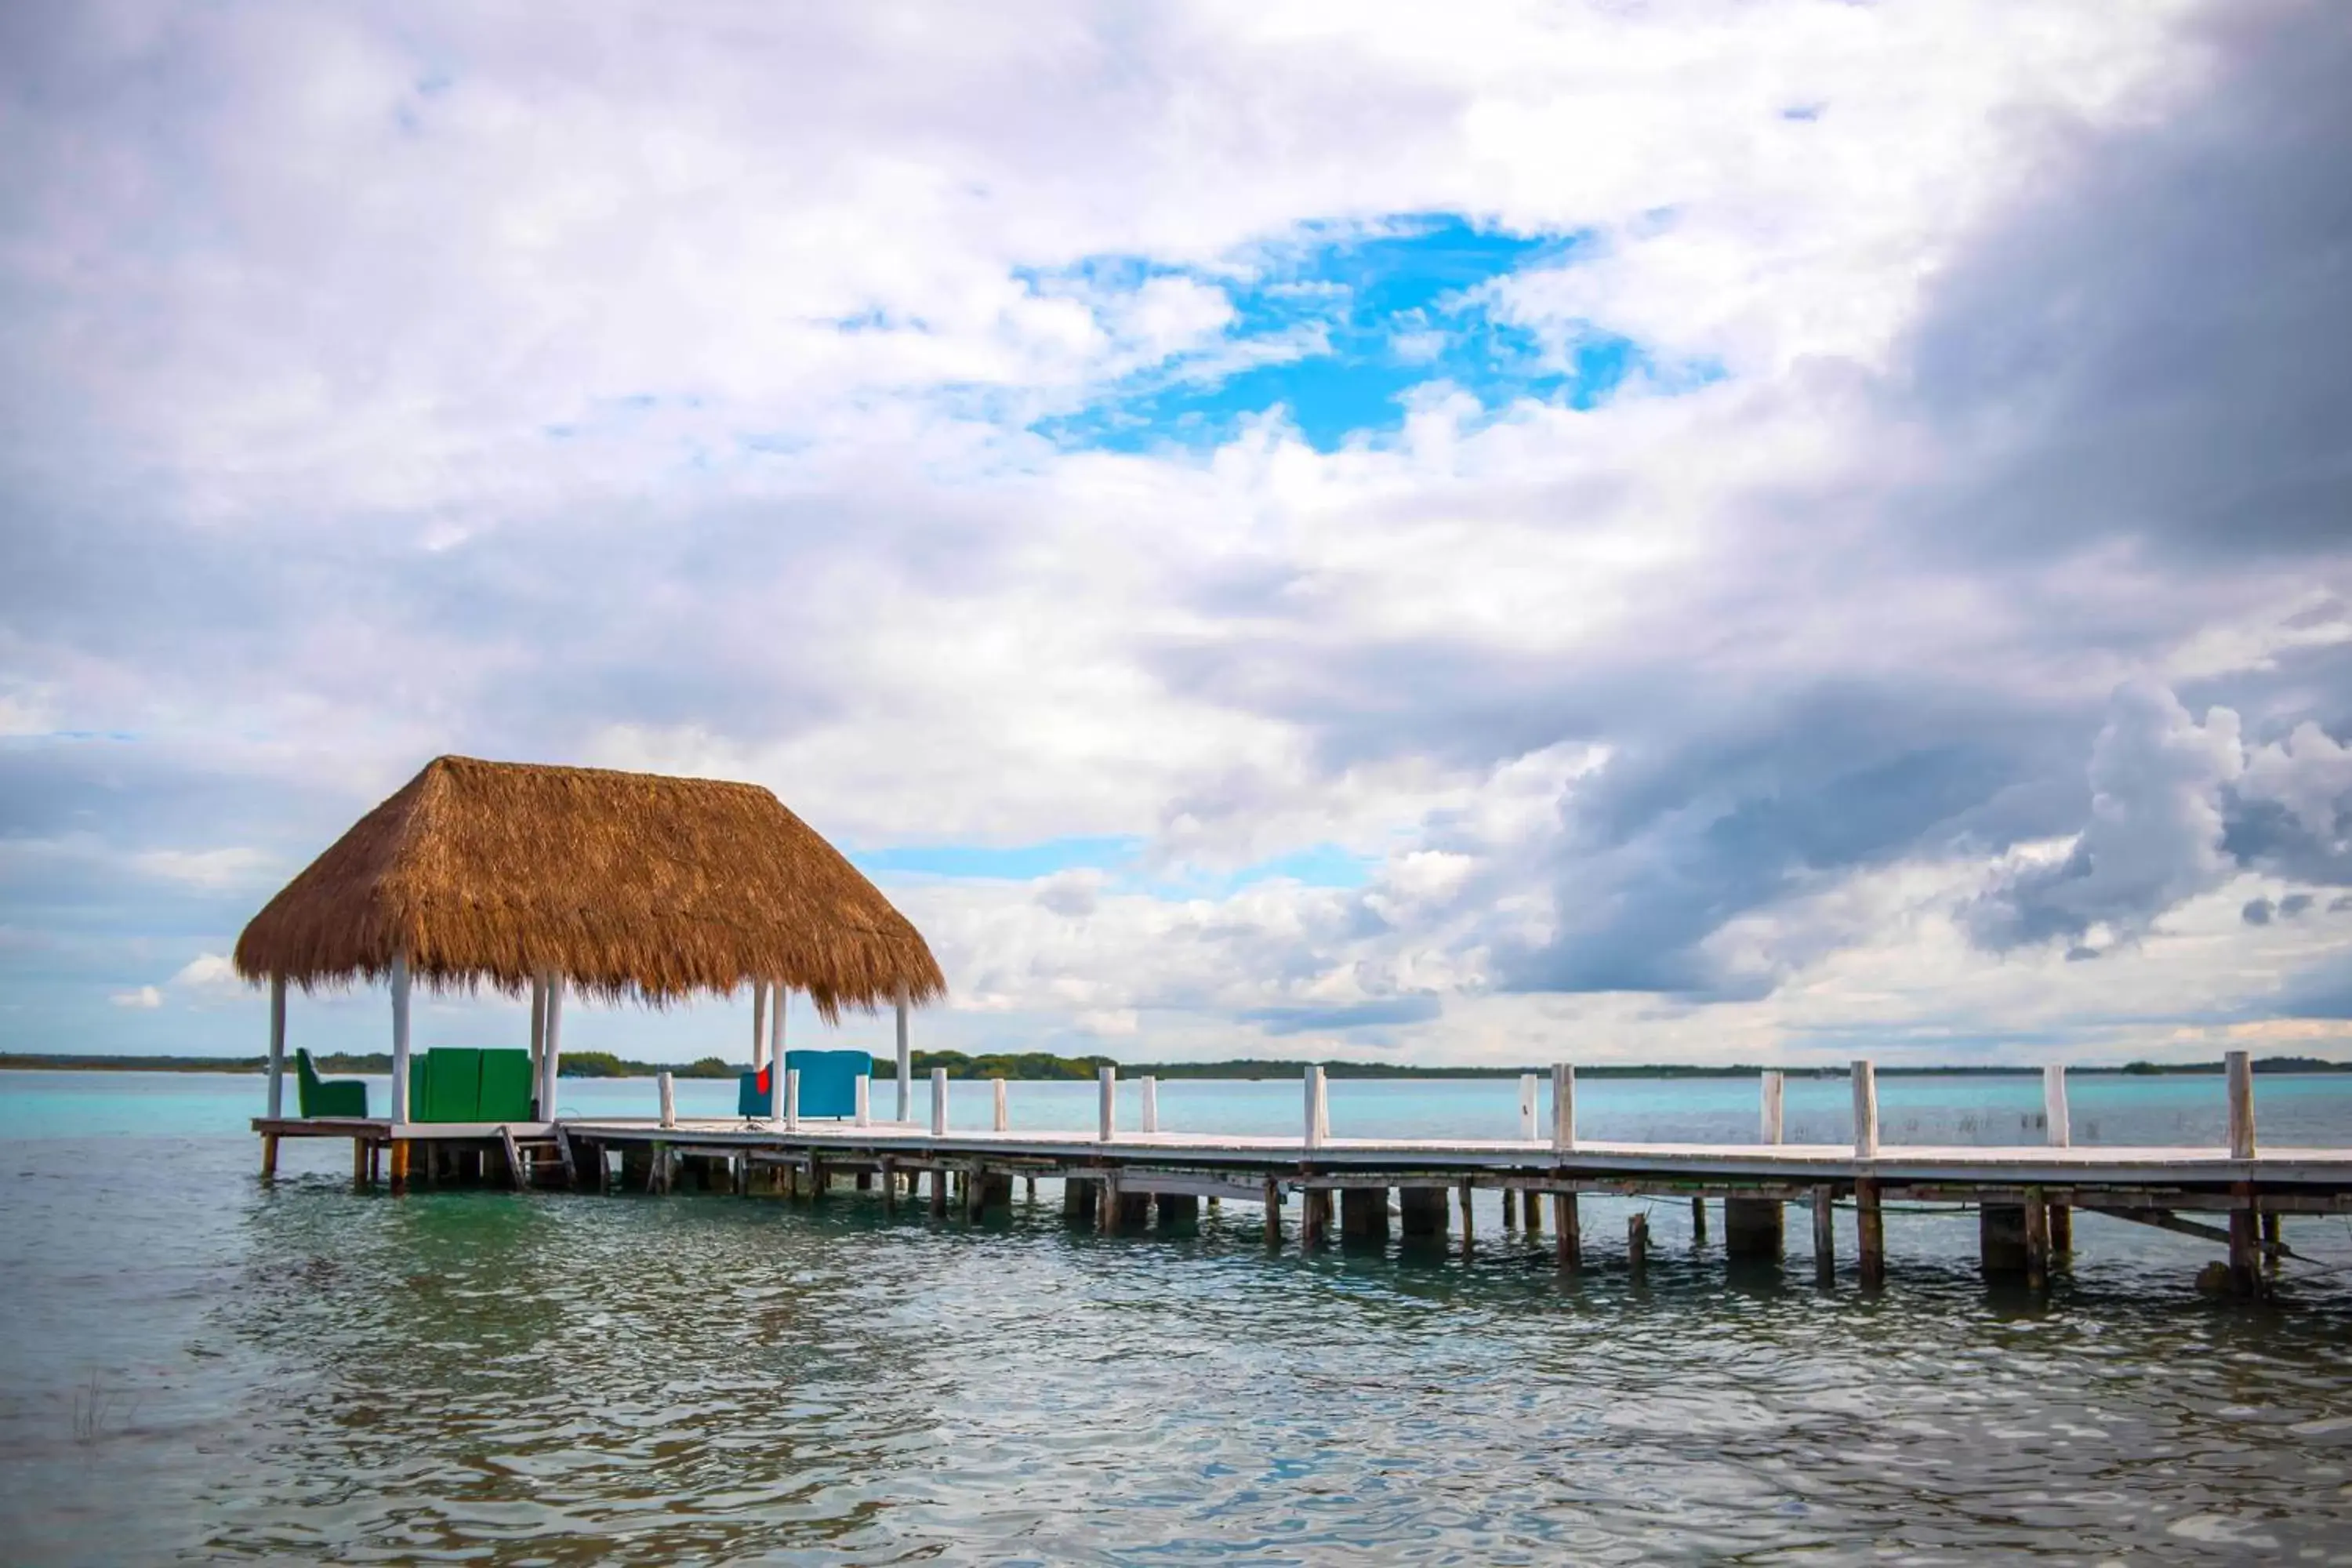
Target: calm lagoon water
[(196, 1366)]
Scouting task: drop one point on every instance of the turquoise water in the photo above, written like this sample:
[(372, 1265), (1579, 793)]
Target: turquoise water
[(197, 1366)]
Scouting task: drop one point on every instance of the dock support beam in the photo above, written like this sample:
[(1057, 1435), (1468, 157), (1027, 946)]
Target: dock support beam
[(1422, 1213), (1869, 1232), (1179, 1212), (1469, 1224), (1314, 1217), (2001, 1241), (1569, 1244), (1637, 1245), (1272, 1199), (1698, 1220), (1824, 1236), (1364, 1213), (1754, 1229), (1531, 1206)]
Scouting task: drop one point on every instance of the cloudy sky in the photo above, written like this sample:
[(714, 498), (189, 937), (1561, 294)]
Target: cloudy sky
[(1758, 531)]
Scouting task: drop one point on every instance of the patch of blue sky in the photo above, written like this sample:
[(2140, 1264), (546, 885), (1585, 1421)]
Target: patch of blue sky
[(1343, 328), (1014, 863), (1121, 858)]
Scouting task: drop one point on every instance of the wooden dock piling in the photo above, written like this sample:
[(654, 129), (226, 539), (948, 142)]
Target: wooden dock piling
[(1637, 1245), (1421, 1212), (1364, 1215), (1870, 1233), (1569, 1224), (1754, 1229), (1825, 1236)]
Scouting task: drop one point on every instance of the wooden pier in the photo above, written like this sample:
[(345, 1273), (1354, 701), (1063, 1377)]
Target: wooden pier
[(1112, 1179)]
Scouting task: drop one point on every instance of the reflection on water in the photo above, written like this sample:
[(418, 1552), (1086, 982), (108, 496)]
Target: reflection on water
[(201, 1366)]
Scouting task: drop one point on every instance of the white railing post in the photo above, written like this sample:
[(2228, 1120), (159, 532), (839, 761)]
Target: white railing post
[(1866, 1111), (1563, 1108), (939, 1103), (1151, 1104), (667, 1087), (1004, 1119), (864, 1100), (1318, 1108), (2239, 1066), (2058, 1128), (1771, 1119), (1106, 1108), (277, 1047), (1527, 1107), (792, 1098), (399, 1107)]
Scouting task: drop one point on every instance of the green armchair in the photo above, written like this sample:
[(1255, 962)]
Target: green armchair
[(317, 1096)]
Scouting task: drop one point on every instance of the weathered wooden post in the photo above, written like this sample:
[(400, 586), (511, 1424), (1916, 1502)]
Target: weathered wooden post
[(1637, 1245), (1563, 1108), (1824, 1236), (1569, 1244), (1699, 1222), (1770, 1117), (1531, 1208), (1318, 1108), (865, 1112), (2037, 1241), (1364, 1213), (1420, 1214), (1273, 1200), (1151, 1104), (1469, 1226), (1866, 1111), (666, 1087), (2246, 1248), (1106, 1103), (1869, 1232), (939, 1103), (791, 1099), (2058, 1129), (1003, 1122), (1527, 1107)]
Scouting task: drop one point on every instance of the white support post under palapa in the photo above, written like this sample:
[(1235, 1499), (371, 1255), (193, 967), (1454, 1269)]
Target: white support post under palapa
[(1527, 1107), (538, 1027), (1866, 1111), (399, 1040), (552, 1058), (1563, 1108), (759, 1024), (1106, 1102), (1770, 1114), (780, 997), (1002, 1120), (277, 1047), (1151, 1104), (939, 1103), (906, 1069), (2058, 1128)]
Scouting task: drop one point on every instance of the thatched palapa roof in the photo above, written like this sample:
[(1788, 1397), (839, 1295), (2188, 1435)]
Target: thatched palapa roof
[(623, 884)]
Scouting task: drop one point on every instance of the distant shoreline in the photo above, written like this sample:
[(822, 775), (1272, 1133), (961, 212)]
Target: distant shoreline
[(1039, 1067)]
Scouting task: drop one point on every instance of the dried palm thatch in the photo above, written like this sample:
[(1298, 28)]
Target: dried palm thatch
[(623, 884)]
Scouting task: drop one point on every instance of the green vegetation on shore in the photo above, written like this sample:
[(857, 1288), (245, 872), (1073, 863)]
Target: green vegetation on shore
[(1035, 1065)]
